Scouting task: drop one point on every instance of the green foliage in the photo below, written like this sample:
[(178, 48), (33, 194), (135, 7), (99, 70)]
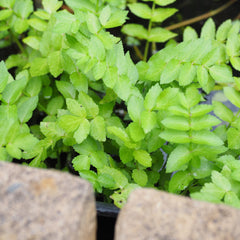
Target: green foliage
[(75, 94)]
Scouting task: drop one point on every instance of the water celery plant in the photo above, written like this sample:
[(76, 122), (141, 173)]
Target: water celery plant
[(75, 99)]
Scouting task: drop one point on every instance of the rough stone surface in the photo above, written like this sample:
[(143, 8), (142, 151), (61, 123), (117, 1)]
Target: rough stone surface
[(38, 204), (155, 215)]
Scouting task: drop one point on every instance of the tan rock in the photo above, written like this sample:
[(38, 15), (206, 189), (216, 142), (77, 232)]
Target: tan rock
[(155, 215), (37, 204)]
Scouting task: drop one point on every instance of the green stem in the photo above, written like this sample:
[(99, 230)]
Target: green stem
[(20, 46), (149, 29)]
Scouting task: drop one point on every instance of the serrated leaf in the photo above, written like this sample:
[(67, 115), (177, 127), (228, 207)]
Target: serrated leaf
[(82, 131), (99, 70), (235, 61), (151, 97), (159, 34), (208, 30), (32, 41), (69, 122), (233, 137), (81, 162), (233, 45), (232, 199), (189, 34), (233, 95), (179, 181), (213, 189), (55, 63), (51, 5), (135, 30), (201, 109), (105, 15), (75, 108), (140, 177), (38, 24), (93, 23), (178, 159), (96, 48), (223, 29), (66, 89), (110, 76), (118, 18), (5, 75), (135, 131), (222, 111), (106, 181), (221, 181), (221, 73), (98, 159), (161, 14), (206, 137), (206, 121), (148, 120), (39, 67), (14, 151), (143, 157), (171, 71), (25, 109), (125, 154), (98, 129), (135, 108), (23, 8), (177, 123), (175, 136), (141, 10), (187, 74), (5, 14), (79, 81)]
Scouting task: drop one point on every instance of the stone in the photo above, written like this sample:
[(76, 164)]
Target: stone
[(156, 215), (37, 204)]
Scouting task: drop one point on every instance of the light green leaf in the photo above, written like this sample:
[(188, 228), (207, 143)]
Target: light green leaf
[(170, 72), (208, 30), (222, 111), (175, 136), (221, 73), (232, 199), (233, 137), (178, 159), (221, 181), (81, 162), (14, 151), (179, 181), (117, 19), (223, 29), (55, 63), (98, 129), (163, 2), (83, 131), (39, 67), (206, 121), (96, 48), (141, 10), (32, 41), (105, 15), (88, 103), (235, 61), (69, 123), (99, 70), (213, 189), (233, 45), (83, 5), (201, 109), (79, 81), (135, 131), (125, 154), (5, 75), (93, 23), (98, 159), (233, 95), (20, 25), (167, 98), (148, 120), (140, 177), (135, 30), (51, 5), (66, 89), (161, 14), (206, 137), (23, 8), (110, 76), (159, 34), (38, 24), (75, 108), (187, 74), (177, 123), (151, 97), (135, 108), (143, 157), (189, 34), (7, 3), (5, 14), (106, 181)]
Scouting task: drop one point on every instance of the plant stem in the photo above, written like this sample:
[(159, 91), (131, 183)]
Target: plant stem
[(138, 52), (149, 29), (201, 17)]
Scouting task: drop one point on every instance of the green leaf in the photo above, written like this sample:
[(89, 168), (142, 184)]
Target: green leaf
[(79, 81), (221, 181), (232, 199), (51, 5), (23, 8), (201, 109), (187, 74), (189, 34), (161, 14), (13, 90), (167, 98), (7, 3), (213, 189), (83, 5), (151, 97), (178, 159), (154, 142), (233, 137), (141, 10), (233, 95), (206, 121), (110, 76), (140, 177), (206, 137), (81, 162), (208, 30), (159, 34), (98, 159), (105, 15), (99, 70), (88, 103), (5, 14), (233, 45), (235, 61), (51, 130), (135, 30), (20, 25), (221, 73), (98, 129), (5, 76), (236, 175), (179, 181), (163, 2), (143, 157), (117, 19), (55, 63), (177, 123), (106, 181), (136, 132), (69, 123), (170, 72), (222, 111), (14, 151), (223, 29), (148, 120), (66, 89), (175, 136), (120, 179), (39, 67), (96, 48), (25, 109), (135, 108), (93, 23), (125, 154), (38, 24), (82, 132), (75, 108), (32, 41)]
